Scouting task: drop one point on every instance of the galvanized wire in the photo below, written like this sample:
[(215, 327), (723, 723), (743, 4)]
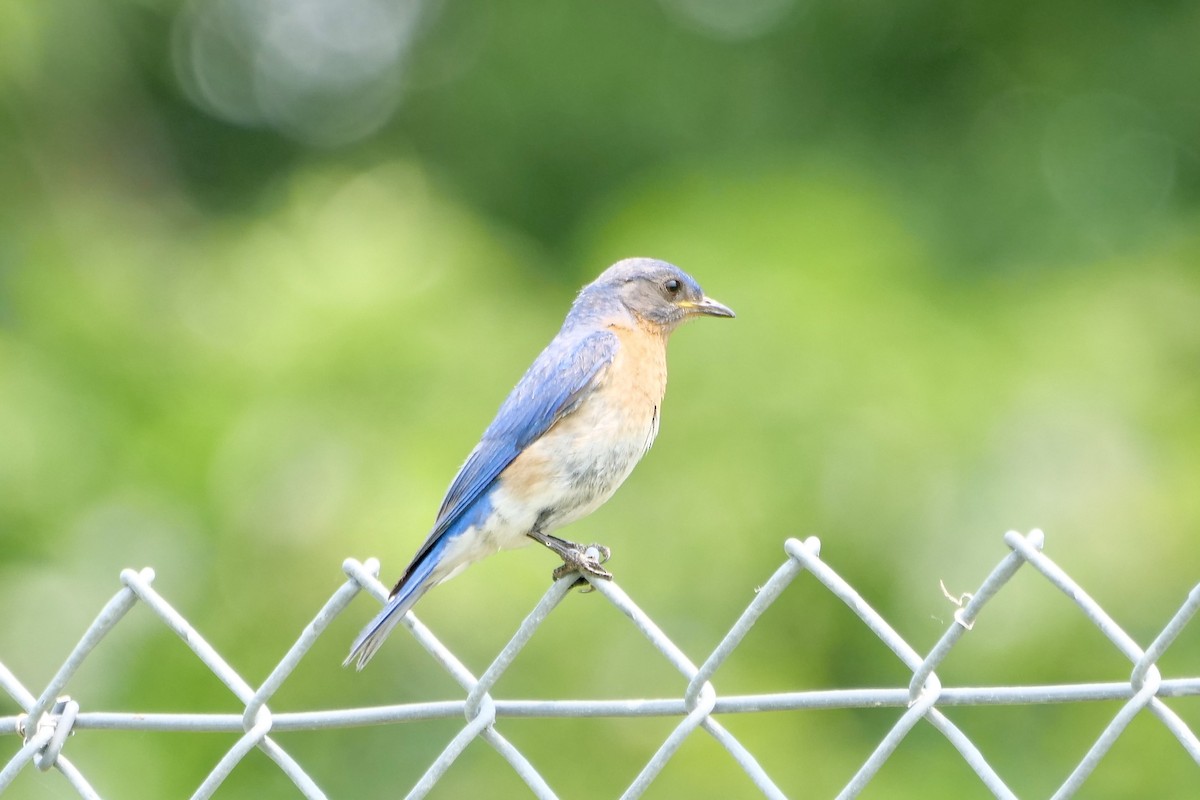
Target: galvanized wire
[(46, 720)]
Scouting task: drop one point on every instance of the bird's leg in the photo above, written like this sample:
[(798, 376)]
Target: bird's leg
[(576, 557), (588, 559)]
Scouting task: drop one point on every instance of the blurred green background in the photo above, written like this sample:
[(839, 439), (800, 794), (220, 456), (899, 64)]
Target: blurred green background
[(268, 268)]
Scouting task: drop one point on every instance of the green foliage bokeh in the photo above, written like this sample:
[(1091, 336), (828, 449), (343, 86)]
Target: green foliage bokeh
[(962, 245)]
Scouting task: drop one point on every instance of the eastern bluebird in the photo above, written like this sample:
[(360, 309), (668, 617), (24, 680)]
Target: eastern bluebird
[(568, 435)]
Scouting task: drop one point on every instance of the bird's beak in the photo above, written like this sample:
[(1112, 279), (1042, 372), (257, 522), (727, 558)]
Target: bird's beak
[(709, 307)]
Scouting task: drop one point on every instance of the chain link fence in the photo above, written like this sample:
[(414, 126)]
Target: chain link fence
[(47, 720)]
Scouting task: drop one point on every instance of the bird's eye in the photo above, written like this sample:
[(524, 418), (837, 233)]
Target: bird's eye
[(672, 286)]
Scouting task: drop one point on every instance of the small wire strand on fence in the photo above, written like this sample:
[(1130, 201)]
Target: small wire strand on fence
[(47, 720)]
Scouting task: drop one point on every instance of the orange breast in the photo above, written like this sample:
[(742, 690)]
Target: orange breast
[(638, 374)]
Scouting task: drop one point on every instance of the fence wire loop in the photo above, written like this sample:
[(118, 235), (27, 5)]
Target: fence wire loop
[(60, 720), (45, 722)]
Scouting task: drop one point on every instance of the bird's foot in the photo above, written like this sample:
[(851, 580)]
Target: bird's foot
[(584, 560)]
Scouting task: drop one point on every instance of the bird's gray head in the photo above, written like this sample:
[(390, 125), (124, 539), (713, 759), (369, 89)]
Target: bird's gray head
[(653, 291)]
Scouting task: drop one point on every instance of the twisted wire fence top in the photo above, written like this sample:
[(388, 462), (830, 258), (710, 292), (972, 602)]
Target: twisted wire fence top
[(46, 720)]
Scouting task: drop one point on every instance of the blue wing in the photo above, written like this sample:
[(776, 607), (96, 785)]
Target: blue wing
[(561, 377)]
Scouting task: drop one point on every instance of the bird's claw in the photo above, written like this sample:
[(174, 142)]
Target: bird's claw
[(585, 560)]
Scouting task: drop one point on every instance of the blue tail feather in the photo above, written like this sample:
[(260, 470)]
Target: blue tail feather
[(417, 581), (377, 630)]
